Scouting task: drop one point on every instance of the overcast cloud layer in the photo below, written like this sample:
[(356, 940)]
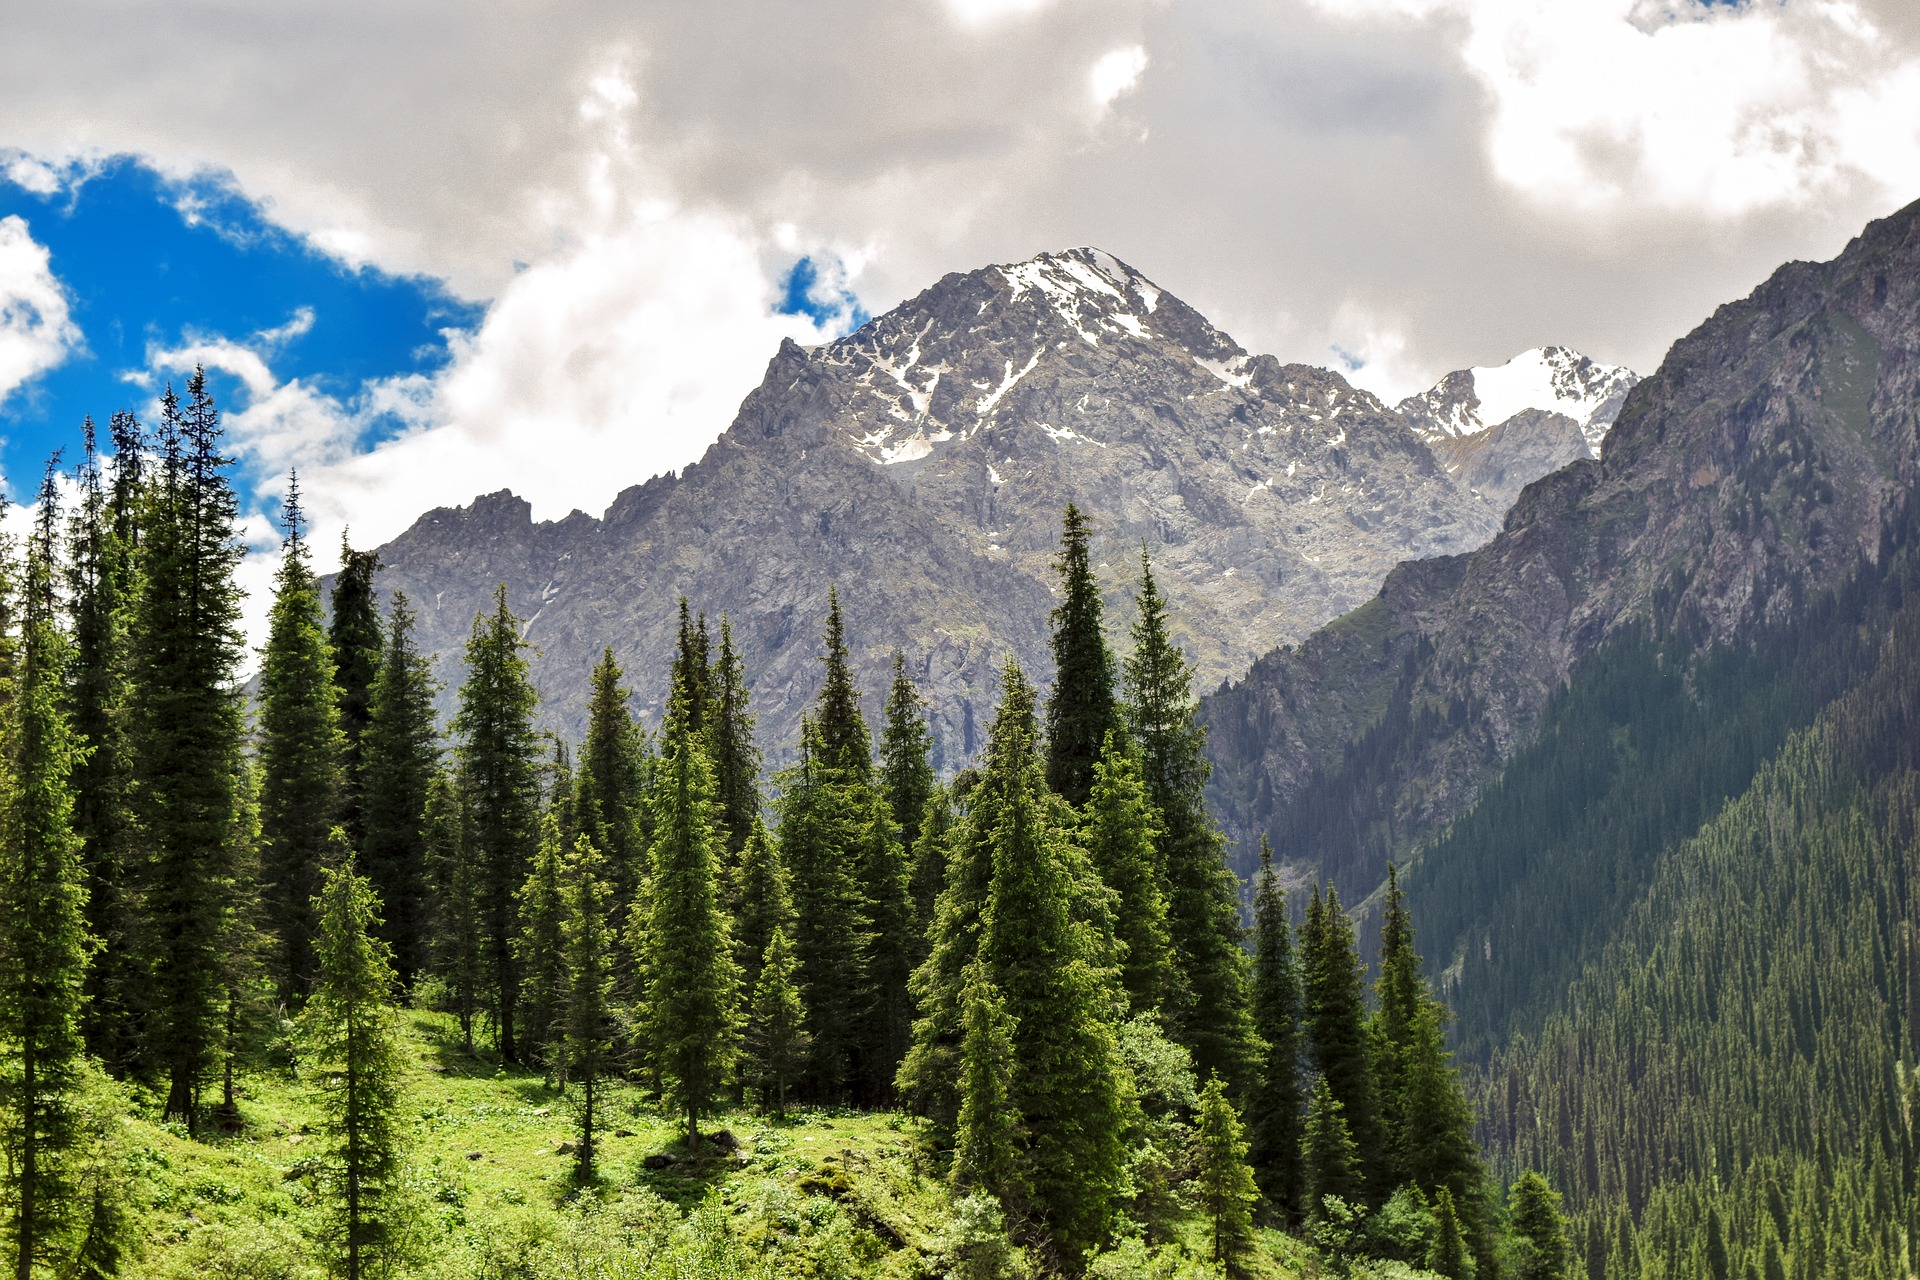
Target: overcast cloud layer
[(1405, 186)]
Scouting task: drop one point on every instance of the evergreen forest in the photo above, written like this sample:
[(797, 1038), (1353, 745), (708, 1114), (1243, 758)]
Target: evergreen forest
[(296, 980)]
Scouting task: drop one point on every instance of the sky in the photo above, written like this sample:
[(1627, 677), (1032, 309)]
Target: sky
[(429, 250)]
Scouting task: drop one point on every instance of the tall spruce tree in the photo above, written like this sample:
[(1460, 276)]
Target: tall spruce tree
[(1068, 1083), (587, 1012), (400, 756), (186, 729), (1330, 1162), (1333, 988), (539, 949), (608, 782), (355, 1057), (693, 984), (736, 760), (457, 946), (844, 742), (100, 587), (990, 1140), (1447, 1255), (1203, 898), (776, 1021), (301, 749), (1400, 994), (692, 676), (354, 637), (1540, 1250), (928, 866), (1275, 1103), (764, 903), (906, 759), (1080, 708), (44, 945), (1223, 1184), (497, 754), (885, 886), (1120, 829)]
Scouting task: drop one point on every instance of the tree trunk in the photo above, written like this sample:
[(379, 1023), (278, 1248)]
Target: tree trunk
[(29, 1172)]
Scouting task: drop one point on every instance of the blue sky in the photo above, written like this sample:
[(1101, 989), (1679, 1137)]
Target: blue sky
[(150, 265)]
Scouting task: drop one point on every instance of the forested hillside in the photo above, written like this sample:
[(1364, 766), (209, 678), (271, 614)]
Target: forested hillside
[(233, 929)]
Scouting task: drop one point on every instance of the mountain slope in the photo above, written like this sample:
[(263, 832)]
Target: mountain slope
[(923, 462), (1757, 465)]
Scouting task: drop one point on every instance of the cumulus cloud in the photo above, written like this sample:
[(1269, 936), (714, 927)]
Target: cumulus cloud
[(36, 332), (1116, 72)]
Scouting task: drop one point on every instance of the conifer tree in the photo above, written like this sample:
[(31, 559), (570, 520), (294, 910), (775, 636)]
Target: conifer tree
[(1276, 1102), (906, 759), (692, 676), (458, 950), (928, 874), (1223, 1184), (1540, 1249), (736, 760), (44, 946), (1120, 829), (1334, 994), (885, 887), (587, 1018), (608, 783), (765, 898), (1440, 1150), (1203, 898), (247, 951), (1330, 1160), (185, 718), (1080, 708), (539, 950), (844, 743), (100, 587), (1400, 994), (301, 748), (1068, 1081), (989, 1151), (693, 983), (777, 1021), (1448, 1255), (400, 755), (354, 637), (499, 781), (355, 1057)]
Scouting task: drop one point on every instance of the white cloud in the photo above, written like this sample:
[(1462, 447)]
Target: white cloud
[(1117, 72), (36, 332), (978, 14)]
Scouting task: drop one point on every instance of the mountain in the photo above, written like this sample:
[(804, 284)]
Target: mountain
[(1497, 430), (1757, 467), (923, 462)]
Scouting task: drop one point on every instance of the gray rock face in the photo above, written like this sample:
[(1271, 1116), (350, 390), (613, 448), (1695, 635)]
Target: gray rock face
[(1748, 474), (922, 464), (1499, 462)]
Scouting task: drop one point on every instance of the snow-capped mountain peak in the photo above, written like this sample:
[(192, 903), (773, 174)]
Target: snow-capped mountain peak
[(1549, 379)]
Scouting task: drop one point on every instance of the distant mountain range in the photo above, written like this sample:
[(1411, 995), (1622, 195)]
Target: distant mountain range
[(922, 464)]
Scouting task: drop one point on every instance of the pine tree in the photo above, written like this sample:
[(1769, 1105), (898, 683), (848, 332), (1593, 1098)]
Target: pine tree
[(1068, 1081), (1080, 709), (887, 1021), (499, 779), (844, 743), (185, 719), (777, 1021), (539, 952), (301, 748), (458, 950), (1276, 1101), (736, 760), (44, 946), (354, 1055), (587, 1017), (1203, 898), (929, 1078), (1120, 829), (906, 760), (1540, 1250), (400, 754), (989, 1152), (1448, 1255), (251, 1003), (1400, 994), (100, 585), (607, 798), (1334, 995), (693, 984), (1440, 1146), (928, 875), (1330, 1160), (765, 903), (1223, 1184), (354, 637)]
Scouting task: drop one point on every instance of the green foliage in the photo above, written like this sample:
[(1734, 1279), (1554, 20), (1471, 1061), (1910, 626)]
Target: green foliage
[(1120, 830), (1203, 897), (1330, 1161), (1538, 1249), (1080, 707), (354, 638), (459, 946), (400, 756), (354, 1057), (1275, 1101), (539, 951), (1448, 1255), (497, 775), (887, 1021), (989, 1153), (301, 752), (736, 760), (1334, 991), (777, 1022), (586, 1027), (1223, 1184), (906, 771), (844, 743)]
